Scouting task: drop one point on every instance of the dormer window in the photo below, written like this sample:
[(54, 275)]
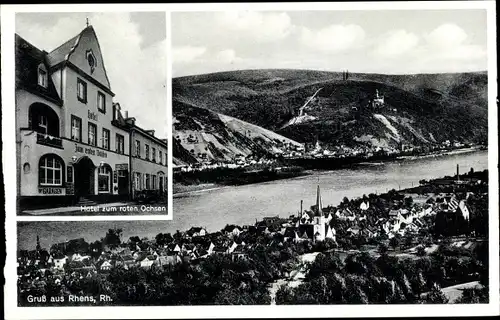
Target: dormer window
[(42, 76)]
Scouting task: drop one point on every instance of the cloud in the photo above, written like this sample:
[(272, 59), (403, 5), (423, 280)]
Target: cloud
[(446, 35), (333, 38), (254, 25), (226, 56), (448, 44), (137, 75), (396, 43), (185, 54)]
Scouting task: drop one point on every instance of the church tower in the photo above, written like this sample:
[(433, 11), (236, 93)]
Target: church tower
[(38, 246), (319, 219), (319, 204)]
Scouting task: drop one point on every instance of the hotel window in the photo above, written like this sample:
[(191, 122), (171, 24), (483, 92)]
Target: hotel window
[(92, 134), (160, 157), (154, 154), (105, 138), (42, 76), (137, 148), (76, 128), (147, 152), (147, 181), (137, 181), (154, 182), (120, 144), (81, 90), (101, 102), (42, 124), (104, 180), (50, 171)]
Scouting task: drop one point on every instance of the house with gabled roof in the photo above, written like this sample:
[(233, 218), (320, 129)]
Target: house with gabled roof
[(174, 247), (196, 232), (220, 249), (147, 261)]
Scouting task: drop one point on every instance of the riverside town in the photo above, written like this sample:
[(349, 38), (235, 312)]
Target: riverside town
[(75, 146), (425, 244)]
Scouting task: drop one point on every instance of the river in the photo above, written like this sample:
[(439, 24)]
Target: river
[(213, 209)]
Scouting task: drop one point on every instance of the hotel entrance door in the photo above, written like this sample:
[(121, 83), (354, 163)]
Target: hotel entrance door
[(122, 181), (84, 177)]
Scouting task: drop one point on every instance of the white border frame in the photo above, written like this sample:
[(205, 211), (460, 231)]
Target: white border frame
[(12, 311)]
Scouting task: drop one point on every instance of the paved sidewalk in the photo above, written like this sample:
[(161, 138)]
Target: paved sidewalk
[(40, 212)]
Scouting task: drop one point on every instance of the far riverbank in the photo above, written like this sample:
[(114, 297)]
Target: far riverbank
[(181, 189)]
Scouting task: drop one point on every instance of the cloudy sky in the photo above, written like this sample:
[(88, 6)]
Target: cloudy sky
[(134, 50), (391, 42)]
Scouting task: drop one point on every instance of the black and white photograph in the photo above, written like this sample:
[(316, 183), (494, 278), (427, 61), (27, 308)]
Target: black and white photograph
[(320, 160), (333, 157), (87, 85)]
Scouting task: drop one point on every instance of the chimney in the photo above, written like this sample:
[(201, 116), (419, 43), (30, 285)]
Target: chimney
[(126, 114)]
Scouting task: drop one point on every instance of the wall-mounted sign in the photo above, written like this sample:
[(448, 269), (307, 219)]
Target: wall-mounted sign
[(93, 116), (90, 151), (69, 173), (121, 166), (50, 190)]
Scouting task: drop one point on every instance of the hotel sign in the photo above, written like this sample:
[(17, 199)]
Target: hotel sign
[(121, 166), (90, 151), (49, 190)]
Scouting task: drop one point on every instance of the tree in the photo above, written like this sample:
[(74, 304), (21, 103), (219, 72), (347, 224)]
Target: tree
[(421, 251), (408, 202), (408, 241), (435, 296), (394, 242), (382, 248), (134, 240), (113, 238), (474, 295), (345, 201)]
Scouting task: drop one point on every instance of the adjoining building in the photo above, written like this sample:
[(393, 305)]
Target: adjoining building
[(72, 143), (148, 161)]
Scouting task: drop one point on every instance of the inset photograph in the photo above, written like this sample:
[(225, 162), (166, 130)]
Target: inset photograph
[(91, 113), (347, 151)]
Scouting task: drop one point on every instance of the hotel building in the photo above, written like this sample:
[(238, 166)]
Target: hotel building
[(72, 142), (148, 161)]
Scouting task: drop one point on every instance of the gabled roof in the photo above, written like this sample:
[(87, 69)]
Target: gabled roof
[(64, 51), (306, 230), (28, 58)]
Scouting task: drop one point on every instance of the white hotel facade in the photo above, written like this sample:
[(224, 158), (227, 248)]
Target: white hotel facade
[(72, 141)]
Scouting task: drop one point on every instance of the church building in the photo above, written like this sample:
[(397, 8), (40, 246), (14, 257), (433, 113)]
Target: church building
[(315, 225)]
